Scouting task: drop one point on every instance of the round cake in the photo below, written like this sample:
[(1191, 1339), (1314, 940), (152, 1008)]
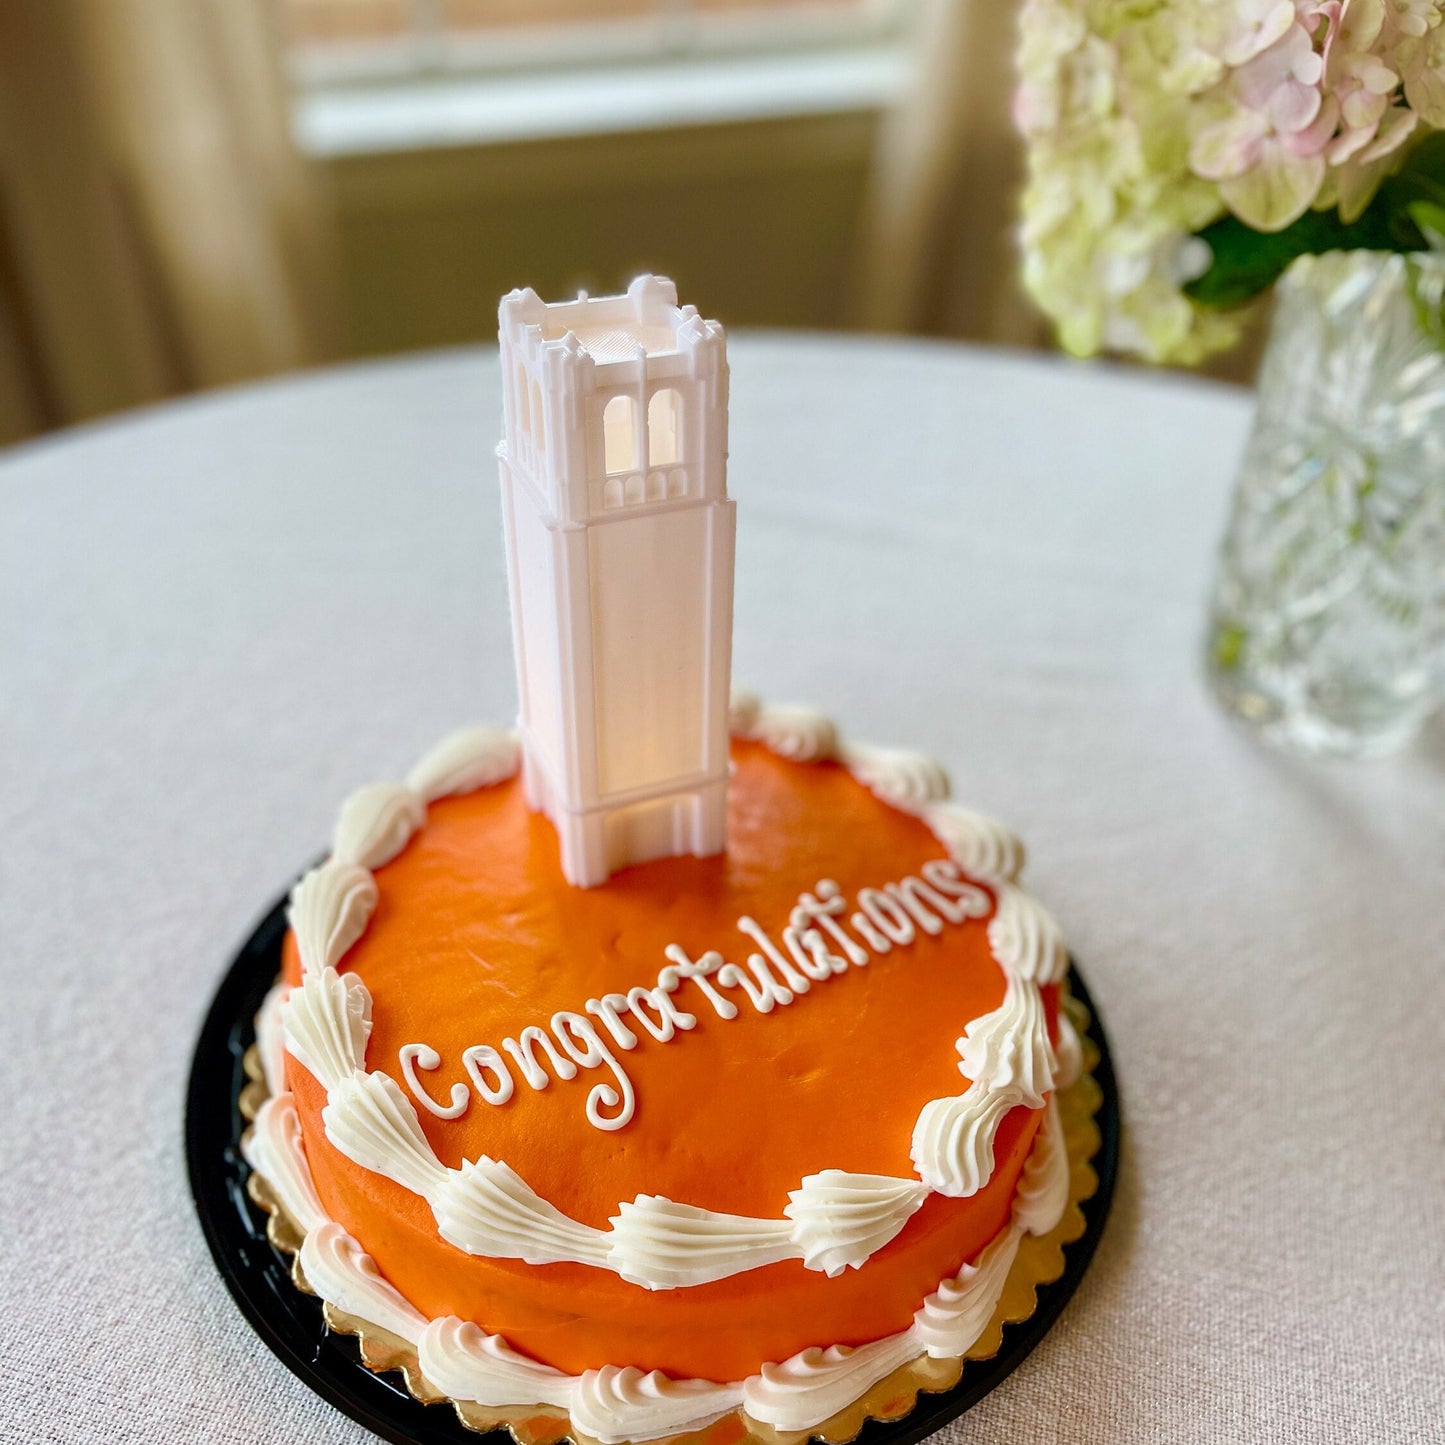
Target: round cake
[(737, 1132)]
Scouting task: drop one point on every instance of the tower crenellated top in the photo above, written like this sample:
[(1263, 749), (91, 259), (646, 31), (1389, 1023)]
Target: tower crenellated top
[(615, 402)]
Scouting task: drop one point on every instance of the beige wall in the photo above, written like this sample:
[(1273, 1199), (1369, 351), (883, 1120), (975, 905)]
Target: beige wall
[(755, 222)]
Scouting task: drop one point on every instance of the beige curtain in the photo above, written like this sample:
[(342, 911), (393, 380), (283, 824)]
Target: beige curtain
[(158, 230), (938, 251)]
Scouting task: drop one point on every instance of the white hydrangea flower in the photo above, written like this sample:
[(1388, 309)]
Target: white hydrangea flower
[(1146, 122)]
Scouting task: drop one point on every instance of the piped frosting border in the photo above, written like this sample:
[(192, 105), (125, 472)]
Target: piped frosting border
[(613, 1404), (835, 1219)]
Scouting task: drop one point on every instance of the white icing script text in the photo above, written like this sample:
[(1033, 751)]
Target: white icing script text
[(816, 945)]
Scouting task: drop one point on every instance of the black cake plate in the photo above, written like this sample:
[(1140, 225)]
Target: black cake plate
[(291, 1324)]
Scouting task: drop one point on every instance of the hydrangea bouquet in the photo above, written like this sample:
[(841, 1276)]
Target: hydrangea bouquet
[(1183, 152)]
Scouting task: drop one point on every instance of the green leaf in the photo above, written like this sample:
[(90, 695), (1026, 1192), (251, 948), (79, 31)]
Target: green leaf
[(1430, 218), (1425, 300), (1406, 211), (1228, 647)]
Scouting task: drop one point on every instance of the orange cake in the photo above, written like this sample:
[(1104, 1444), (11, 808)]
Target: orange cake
[(666, 1058), (788, 1160)]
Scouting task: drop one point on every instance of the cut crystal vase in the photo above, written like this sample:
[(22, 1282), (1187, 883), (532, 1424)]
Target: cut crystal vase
[(1327, 629)]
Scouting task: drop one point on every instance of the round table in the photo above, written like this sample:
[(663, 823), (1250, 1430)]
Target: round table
[(220, 616)]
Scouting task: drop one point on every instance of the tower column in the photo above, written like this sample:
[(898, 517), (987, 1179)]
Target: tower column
[(620, 563)]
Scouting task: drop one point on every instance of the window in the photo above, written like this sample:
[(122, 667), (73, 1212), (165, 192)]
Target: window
[(418, 35), (664, 443), (618, 439), (396, 74)]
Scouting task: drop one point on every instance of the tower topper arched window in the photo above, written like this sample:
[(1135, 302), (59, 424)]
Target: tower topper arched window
[(539, 437), (618, 436), (519, 390), (664, 428)]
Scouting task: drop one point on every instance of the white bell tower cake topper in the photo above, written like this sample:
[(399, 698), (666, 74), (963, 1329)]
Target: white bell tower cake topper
[(619, 538)]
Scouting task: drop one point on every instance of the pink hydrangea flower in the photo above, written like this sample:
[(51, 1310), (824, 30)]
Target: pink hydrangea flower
[(1317, 95), (1145, 122), (1282, 83), (1253, 26), (1268, 154)]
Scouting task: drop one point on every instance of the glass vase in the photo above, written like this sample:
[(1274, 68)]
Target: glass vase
[(1327, 629)]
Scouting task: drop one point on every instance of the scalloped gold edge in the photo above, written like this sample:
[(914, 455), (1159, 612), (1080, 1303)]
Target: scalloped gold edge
[(1039, 1262)]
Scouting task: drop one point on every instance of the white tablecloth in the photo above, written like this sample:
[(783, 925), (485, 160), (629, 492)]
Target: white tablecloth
[(221, 616)]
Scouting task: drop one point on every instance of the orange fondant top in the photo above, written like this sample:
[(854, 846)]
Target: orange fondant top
[(477, 935)]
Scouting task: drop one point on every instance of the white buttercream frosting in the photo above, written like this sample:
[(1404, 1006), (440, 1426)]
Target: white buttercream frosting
[(469, 1364), (953, 1139), (840, 1219), (815, 1384), (369, 1119), (1010, 1047), (344, 1275), (330, 908), (615, 1404), (465, 761), (980, 845), (957, 1312), (907, 779), (1070, 1052), (1025, 939), (412, 1057), (611, 1405), (376, 823), (743, 710), (486, 1208), (1043, 1188), (273, 1148), (663, 1245), (326, 1022), (271, 1038), (800, 733)]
